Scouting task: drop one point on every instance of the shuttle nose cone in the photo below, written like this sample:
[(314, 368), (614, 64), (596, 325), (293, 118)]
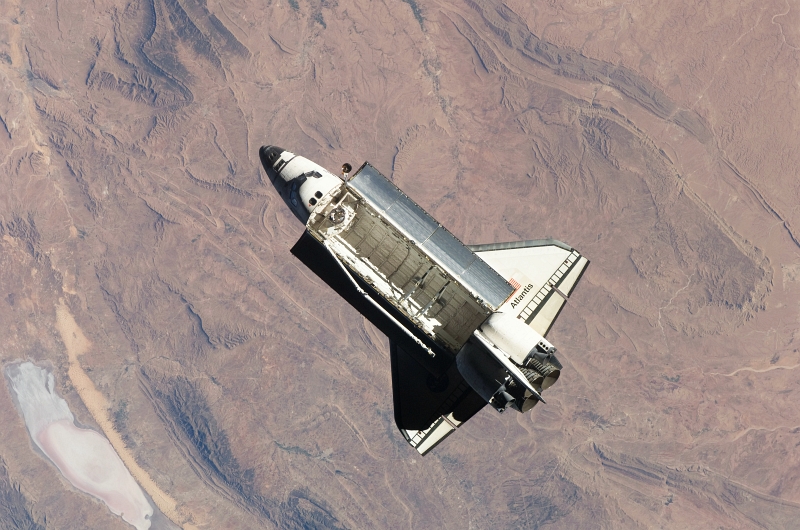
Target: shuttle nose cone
[(269, 154)]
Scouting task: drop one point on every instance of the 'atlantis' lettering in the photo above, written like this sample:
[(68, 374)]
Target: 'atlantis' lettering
[(516, 301)]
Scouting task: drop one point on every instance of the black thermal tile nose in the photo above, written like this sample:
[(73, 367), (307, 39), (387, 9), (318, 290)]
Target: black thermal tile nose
[(269, 154)]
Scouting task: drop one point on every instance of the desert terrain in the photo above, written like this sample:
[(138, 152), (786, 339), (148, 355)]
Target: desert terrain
[(144, 258)]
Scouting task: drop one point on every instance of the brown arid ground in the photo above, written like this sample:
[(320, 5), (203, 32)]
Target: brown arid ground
[(144, 258)]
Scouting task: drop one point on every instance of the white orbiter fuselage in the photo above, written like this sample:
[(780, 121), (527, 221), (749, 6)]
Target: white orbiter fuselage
[(466, 324)]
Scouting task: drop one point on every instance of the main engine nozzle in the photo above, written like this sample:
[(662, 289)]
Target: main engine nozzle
[(508, 363)]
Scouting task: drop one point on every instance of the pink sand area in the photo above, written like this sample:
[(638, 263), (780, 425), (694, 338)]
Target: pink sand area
[(90, 463)]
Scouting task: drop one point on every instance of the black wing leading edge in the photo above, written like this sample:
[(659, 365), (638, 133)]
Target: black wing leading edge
[(428, 407)]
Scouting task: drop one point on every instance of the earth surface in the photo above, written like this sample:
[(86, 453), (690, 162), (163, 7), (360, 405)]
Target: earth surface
[(144, 257)]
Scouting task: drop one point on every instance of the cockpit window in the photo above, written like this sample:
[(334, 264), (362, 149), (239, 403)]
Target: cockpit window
[(312, 201), (318, 195)]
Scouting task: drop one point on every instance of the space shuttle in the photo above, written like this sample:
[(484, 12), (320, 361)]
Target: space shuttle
[(467, 324)]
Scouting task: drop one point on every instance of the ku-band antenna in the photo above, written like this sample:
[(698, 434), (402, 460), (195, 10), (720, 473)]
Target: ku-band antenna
[(346, 169)]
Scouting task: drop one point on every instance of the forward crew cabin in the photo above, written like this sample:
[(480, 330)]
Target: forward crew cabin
[(466, 324)]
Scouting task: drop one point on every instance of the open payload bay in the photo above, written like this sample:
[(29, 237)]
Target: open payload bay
[(443, 287)]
